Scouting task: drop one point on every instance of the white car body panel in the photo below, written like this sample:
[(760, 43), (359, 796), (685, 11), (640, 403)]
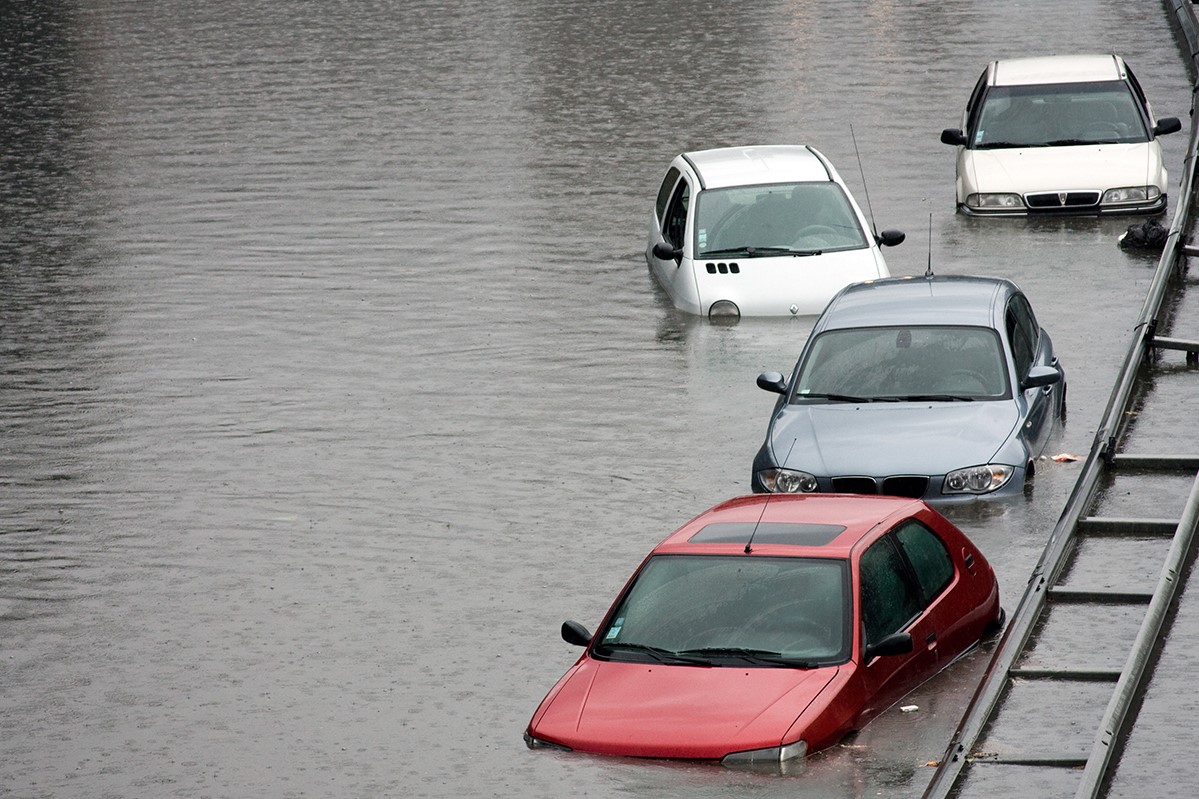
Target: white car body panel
[(760, 286), (788, 286), (1096, 167), (1061, 168)]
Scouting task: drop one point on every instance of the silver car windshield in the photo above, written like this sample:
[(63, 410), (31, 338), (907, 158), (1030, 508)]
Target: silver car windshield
[(732, 610), (1059, 114), (778, 219), (879, 364)]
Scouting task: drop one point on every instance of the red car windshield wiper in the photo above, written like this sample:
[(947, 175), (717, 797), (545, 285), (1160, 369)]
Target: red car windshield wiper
[(755, 656), (655, 652)]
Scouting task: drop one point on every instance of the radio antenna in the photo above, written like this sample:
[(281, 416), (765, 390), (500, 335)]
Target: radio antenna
[(865, 188), (928, 272)]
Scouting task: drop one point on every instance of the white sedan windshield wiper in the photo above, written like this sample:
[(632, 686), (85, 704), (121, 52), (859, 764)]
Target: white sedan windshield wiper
[(1008, 145)]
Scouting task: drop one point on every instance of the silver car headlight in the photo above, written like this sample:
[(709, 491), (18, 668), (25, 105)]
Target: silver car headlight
[(977, 479), (995, 201), (1131, 194), (787, 481), (775, 754)]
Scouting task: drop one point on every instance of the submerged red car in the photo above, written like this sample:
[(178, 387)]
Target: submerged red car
[(770, 627)]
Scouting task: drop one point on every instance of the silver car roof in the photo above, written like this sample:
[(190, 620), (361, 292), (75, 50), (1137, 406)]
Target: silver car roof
[(913, 301)]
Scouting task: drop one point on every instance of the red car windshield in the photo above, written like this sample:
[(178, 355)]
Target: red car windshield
[(732, 610)]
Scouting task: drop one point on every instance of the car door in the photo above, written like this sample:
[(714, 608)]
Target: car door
[(672, 231), (890, 600), (931, 564), (1031, 347)]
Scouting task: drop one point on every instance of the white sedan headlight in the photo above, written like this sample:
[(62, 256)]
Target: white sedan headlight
[(1131, 194), (787, 481), (995, 201), (977, 479)]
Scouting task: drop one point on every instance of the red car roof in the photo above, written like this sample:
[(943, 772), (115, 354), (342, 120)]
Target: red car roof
[(857, 514)]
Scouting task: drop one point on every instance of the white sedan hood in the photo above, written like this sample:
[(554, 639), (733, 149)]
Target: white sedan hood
[(1095, 167)]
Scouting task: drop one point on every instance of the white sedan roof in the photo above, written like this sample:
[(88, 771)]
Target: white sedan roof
[(743, 166), (1057, 69)]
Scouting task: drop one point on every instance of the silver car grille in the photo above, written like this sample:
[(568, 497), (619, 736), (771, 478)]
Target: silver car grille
[(904, 485)]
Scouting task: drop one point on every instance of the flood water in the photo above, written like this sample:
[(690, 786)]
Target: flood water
[(332, 378)]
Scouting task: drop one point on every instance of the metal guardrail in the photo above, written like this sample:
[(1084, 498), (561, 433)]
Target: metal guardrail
[(1044, 589)]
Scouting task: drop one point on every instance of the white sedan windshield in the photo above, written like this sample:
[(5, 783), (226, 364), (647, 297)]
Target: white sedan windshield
[(1058, 114)]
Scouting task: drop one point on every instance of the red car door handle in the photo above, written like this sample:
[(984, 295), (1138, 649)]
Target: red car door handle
[(931, 641)]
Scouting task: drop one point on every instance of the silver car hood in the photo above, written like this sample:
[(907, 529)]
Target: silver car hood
[(883, 438)]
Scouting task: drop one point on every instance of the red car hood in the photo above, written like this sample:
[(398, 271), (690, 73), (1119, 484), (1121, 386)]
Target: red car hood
[(652, 710)]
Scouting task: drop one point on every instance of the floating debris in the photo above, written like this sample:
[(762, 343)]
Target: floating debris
[(1148, 235), (1065, 457), (909, 708)]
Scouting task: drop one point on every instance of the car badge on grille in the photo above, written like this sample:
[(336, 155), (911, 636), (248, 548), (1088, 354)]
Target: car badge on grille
[(1061, 198), (794, 309)]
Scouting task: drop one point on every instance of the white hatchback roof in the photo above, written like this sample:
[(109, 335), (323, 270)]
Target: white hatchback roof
[(743, 166), (1057, 69)]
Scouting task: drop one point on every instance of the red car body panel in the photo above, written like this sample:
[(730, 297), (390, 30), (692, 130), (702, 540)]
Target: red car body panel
[(622, 708), (614, 707)]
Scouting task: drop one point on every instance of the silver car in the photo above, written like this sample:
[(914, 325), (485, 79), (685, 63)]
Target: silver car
[(937, 387)]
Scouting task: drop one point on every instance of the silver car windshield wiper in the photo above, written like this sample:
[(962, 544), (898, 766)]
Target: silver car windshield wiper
[(842, 397), (755, 656), (657, 653), (928, 398)]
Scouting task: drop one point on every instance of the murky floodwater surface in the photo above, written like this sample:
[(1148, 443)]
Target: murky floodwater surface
[(332, 378)]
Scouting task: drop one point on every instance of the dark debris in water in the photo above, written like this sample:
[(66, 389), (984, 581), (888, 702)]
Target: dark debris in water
[(1149, 235)]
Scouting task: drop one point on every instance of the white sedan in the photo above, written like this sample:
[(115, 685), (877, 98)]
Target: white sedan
[(759, 231), (1067, 134)]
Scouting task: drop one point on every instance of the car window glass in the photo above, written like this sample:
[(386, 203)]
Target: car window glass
[(804, 216), (1022, 331), (1136, 87), (899, 362), (929, 558), (676, 215), (797, 607), (889, 601), (1059, 113), (672, 177), (972, 105)]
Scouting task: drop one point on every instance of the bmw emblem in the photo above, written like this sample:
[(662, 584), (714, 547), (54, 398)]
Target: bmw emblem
[(794, 309)]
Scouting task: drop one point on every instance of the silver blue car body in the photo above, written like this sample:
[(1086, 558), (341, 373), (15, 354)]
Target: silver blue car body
[(938, 387)]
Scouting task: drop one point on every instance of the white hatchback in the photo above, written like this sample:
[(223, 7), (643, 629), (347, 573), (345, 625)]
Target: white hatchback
[(1069, 134), (759, 231)]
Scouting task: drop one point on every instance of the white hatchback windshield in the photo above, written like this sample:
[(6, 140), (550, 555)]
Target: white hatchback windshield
[(878, 364), (1059, 114), (732, 610), (784, 218)]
